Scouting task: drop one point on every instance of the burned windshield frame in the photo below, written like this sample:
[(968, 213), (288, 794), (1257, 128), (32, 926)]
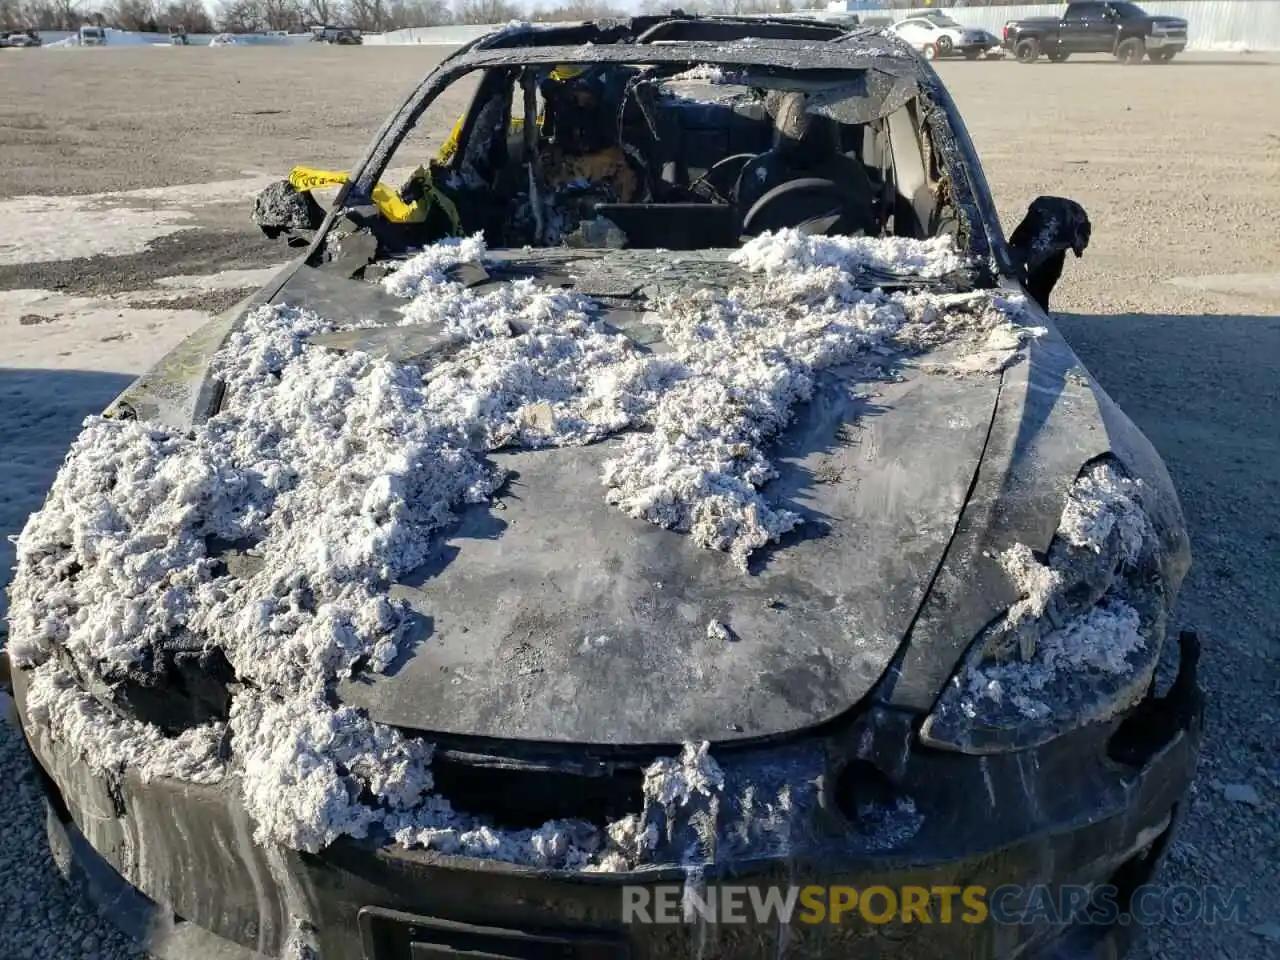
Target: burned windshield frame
[(981, 234)]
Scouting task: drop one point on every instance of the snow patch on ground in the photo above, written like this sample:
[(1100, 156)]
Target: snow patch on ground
[(224, 280), (335, 471), (45, 229), (66, 228), (42, 327)]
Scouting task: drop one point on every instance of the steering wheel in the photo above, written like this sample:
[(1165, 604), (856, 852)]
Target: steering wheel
[(722, 175), (813, 205)]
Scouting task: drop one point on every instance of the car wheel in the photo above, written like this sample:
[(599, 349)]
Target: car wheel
[(1160, 56), (930, 51), (1027, 51), (972, 54), (1131, 51), (1058, 57), (944, 45)]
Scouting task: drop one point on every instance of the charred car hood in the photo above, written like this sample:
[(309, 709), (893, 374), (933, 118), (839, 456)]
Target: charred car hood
[(552, 616)]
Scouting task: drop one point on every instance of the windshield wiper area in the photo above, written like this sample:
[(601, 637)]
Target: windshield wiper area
[(963, 280)]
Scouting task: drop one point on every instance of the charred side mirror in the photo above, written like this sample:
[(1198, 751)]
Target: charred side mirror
[(1052, 226)]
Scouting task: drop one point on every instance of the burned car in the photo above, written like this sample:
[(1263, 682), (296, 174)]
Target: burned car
[(672, 482)]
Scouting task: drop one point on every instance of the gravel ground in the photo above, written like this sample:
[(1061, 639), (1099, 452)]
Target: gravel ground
[(1175, 309)]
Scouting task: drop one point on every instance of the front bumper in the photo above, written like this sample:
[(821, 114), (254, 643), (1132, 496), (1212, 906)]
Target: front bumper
[(175, 865), (1167, 42)]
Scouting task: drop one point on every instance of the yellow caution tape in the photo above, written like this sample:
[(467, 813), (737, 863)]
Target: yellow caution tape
[(387, 200), (305, 179), (450, 146), (433, 194)]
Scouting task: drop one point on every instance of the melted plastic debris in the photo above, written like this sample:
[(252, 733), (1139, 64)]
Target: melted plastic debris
[(279, 207), (675, 781), (1099, 642), (889, 826), (337, 469), (110, 741), (305, 765), (1104, 503), (1039, 585), (1074, 620), (704, 71)]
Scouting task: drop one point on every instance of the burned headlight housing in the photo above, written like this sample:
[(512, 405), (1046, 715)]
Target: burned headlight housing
[(1082, 644)]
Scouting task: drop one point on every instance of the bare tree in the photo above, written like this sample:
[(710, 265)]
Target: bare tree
[(240, 16), (417, 13), (191, 14), (579, 10), (367, 15), (321, 12), (280, 14), (485, 11), (66, 16), (135, 15)]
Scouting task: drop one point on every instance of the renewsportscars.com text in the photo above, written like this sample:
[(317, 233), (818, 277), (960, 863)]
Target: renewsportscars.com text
[(1009, 904)]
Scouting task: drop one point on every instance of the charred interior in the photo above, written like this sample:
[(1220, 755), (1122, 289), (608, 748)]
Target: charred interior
[(680, 157), (665, 150)]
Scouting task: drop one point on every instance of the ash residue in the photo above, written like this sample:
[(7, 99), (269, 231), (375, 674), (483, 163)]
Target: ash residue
[(1084, 637)]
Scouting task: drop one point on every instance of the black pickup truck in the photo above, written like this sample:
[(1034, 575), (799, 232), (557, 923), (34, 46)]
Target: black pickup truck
[(1117, 27)]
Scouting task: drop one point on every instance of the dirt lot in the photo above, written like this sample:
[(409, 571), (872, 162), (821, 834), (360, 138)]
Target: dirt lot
[(1175, 308)]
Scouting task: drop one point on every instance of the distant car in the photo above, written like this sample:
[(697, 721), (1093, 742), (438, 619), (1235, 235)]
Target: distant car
[(225, 40), (342, 36), (1117, 27), (939, 36), (20, 38), (93, 36), (943, 678)]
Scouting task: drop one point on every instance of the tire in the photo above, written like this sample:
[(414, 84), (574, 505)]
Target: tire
[(1027, 51), (1131, 51), (972, 54), (944, 45), (930, 51), (1160, 56), (1058, 57)]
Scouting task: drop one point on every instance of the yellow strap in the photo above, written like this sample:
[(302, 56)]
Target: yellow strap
[(450, 146), (307, 178), (387, 201), (433, 194)]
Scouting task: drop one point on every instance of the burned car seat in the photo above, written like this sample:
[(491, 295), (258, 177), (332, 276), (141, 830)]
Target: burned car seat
[(806, 147)]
